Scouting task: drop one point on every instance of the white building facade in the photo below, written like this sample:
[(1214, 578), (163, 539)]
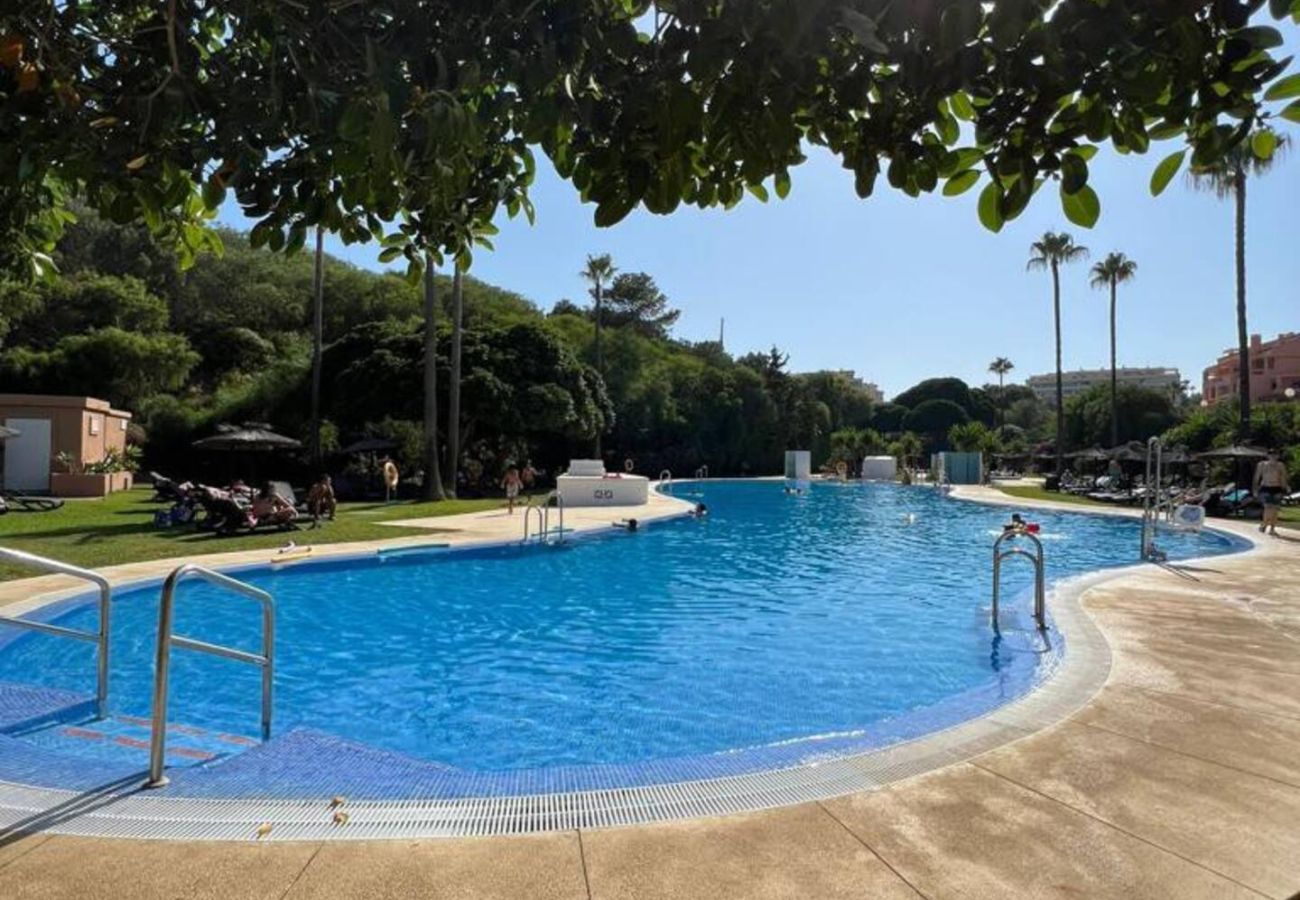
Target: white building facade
[(1157, 378)]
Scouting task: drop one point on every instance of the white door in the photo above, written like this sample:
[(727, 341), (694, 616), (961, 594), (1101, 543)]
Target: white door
[(27, 456)]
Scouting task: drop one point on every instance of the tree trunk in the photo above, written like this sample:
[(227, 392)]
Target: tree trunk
[(1243, 333), (453, 388), (317, 342), (1060, 384), (1114, 389), (432, 488), (600, 350), (1002, 400)]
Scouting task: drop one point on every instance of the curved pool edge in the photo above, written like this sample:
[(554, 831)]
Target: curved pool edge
[(1077, 678)]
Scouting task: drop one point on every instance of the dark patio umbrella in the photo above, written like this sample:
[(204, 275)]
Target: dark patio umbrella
[(1133, 451), (1236, 451), (1092, 454), (369, 445), (253, 436)]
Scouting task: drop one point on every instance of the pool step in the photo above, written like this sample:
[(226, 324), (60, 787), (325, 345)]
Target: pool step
[(64, 722), (126, 738)]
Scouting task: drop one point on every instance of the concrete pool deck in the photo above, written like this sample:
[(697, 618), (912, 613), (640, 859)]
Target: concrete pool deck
[(1181, 778)]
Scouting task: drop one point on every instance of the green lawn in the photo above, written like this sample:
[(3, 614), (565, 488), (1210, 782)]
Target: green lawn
[(120, 529), (1038, 493)]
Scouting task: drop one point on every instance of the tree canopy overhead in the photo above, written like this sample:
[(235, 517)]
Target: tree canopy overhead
[(413, 122)]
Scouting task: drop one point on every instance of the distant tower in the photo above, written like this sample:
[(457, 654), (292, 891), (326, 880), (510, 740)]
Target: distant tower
[(722, 333)]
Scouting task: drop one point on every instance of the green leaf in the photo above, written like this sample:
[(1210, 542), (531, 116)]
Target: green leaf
[(1261, 37), (990, 207), (961, 107), (960, 183), (955, 161), (614, 210), (1263, 143), (1074, 173), (758, 191), (389, 254), (1292, 112), (1082, 207), (213, 193), (782, 184), (1278, 8), (949, 131), (1284, 89), (1165, 172), (1084, 152)]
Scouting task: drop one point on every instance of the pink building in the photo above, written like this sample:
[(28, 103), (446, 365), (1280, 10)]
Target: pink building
[(1274, 367)]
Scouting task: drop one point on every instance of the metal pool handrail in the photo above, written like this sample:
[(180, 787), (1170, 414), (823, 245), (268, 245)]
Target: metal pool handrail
[(265, 660), (546, 514), (99, 638), (541, 519), (666, 481), (1040, 595)]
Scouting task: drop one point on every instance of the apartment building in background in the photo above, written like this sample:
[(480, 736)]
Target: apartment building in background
[(1274, 369)]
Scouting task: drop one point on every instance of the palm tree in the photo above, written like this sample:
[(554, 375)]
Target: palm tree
[(453, 388), (432, 489), (1227, 178), (1052, 251), (1115, 269), (317, 342), (599, 272), (1000, 367)]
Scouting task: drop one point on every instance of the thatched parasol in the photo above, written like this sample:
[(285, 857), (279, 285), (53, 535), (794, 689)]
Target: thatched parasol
[(1236, 452), (369, 445), (252, 436)]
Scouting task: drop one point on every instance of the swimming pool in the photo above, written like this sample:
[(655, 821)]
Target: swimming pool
[(776, 631)]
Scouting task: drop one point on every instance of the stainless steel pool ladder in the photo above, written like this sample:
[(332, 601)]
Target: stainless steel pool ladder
[(702, 472), (1036, 557), (264, 660), (531, 508), (666, 481), (543, 510), (100, 638), (553, 496), (1153, 499)]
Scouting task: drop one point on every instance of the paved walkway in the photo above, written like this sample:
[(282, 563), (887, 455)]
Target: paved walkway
[(1180, 780)]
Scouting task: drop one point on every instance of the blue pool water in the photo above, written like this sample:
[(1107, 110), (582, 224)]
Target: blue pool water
[(778, 620)]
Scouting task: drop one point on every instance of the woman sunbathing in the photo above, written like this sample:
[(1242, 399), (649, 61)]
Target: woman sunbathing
[(269, 508)]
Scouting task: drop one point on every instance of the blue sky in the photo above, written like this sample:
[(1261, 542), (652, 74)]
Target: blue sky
[(902, 289)]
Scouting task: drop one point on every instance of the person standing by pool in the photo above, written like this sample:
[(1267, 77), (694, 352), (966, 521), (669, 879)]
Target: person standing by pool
[(511, 483), (528, 477), (1271, 485), (391, 478)]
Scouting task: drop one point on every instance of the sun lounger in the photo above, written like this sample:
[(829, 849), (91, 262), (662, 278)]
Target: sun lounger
[(17, 500)]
